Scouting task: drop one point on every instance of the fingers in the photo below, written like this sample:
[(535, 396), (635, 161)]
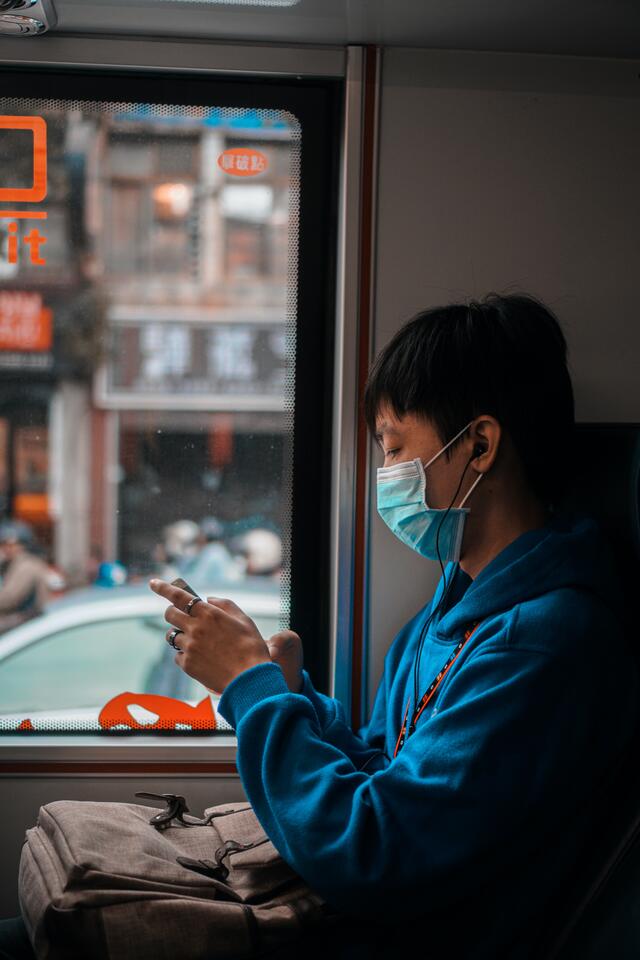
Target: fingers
[(188, 623), (180, 640), (284, 640), (176, 595), (180, 598), (178, 618), (227, 606)]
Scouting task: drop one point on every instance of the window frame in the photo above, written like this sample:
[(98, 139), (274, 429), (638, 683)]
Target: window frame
[(317, 102)]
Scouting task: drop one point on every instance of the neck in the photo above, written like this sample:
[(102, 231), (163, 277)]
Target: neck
[(498, 532)]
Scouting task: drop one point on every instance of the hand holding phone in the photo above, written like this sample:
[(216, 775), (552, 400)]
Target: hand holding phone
[(179, 582), (223, 643)]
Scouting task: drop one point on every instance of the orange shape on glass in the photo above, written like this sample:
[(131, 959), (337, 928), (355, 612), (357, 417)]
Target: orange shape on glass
[(169, 711), (25, 725), (38, 190), (243, 162)]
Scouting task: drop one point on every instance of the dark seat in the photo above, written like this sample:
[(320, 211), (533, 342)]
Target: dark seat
[(608, 923), (350, 939), (600, 916)]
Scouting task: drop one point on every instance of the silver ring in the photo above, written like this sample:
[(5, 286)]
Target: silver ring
[(172, 637), (191, 604)]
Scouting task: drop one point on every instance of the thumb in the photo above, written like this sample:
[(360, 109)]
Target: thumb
[(283, 641)]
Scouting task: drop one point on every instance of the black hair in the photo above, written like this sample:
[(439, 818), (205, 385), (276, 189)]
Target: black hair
[(503, 355)]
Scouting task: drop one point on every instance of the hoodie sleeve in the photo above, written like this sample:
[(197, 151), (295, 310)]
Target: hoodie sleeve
[(366, 746), (473, 787)]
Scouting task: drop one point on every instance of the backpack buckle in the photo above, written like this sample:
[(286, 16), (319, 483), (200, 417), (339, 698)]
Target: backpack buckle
[(218, 870), (176, 807)]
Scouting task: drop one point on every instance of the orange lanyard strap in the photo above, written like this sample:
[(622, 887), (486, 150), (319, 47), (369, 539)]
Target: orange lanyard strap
[(433, 686)]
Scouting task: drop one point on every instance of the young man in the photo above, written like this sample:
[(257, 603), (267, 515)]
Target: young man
[(459, 810)]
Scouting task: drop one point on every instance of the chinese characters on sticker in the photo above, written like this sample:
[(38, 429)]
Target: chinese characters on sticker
[(242, 162)]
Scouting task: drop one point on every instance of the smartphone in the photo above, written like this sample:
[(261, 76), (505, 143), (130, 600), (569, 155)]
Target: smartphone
[(179, 582)]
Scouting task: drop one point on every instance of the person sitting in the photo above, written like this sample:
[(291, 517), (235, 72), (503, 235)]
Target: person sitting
[(457, 813), (24, 590), (213, 563)]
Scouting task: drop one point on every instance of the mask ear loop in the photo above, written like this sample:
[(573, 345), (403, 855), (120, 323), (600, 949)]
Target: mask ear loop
[(446, 447), (471, 488), (447, 586)]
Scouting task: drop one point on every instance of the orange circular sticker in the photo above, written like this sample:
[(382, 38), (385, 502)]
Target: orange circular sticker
[(243, 162)]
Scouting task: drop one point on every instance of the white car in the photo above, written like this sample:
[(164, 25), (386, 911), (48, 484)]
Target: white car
[(99, 647)]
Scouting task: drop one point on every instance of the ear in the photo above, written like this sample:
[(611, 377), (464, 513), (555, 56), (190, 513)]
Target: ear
[(485, 435)]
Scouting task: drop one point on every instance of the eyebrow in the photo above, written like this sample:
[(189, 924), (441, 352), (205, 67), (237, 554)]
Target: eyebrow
[(384, 428)]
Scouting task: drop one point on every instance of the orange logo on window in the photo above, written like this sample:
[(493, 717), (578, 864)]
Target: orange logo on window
[(243, 162), (33, 194), (169, 711), (38, 191)]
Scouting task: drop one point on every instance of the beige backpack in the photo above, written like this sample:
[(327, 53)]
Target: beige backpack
[(102, 880)]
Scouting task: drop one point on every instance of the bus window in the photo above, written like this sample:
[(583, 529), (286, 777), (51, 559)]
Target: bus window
[(164, 345)]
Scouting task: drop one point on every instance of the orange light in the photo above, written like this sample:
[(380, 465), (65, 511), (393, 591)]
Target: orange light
[(32, 507), (173, 199)]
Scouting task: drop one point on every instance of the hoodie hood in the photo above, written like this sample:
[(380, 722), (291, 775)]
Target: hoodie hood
[(567, 552)]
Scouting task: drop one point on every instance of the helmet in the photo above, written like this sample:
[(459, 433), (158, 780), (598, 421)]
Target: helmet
[(15, 531), (181, 537), (263, 550), (111, 575), (211, 529)]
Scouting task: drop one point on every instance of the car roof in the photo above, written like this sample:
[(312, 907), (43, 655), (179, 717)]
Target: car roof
[(250, 586), (114, 603)]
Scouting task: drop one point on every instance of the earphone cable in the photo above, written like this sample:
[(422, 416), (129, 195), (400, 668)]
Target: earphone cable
[(445, 593)]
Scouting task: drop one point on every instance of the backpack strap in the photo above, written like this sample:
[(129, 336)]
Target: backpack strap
[(176, 807), (218, 870)]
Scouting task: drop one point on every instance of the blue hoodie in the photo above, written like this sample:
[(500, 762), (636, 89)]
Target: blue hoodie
[(474, 826)]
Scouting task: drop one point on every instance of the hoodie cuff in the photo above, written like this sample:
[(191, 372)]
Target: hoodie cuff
[(248, 688), (325, 707)]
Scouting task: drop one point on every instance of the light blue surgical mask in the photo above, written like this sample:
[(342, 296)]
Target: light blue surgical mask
[(403, 507)]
